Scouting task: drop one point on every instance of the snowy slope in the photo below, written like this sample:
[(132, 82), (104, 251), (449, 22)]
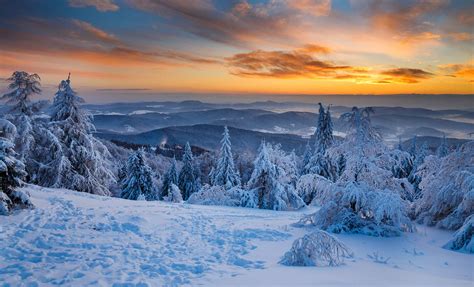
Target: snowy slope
[(79, 239)]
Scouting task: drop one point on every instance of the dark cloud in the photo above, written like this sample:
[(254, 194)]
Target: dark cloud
[(285, 64), (406, 75), (242, 25)]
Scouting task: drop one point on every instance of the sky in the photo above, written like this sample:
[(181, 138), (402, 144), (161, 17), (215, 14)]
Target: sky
[(141, 48)]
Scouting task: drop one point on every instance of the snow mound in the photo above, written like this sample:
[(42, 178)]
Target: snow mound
[(318, 248)]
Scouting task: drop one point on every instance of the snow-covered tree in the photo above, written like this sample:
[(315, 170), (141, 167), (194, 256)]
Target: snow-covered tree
[(318, 248), (463, 239), (174, 194), (447, 188), (443, 148), (225, 173), (170, 179), (187, 181), (271, 181), (219, 195), (84, 165), (308, 153), (138, 180), (12, 172), (32, 137), (358, 208), (320, 162)]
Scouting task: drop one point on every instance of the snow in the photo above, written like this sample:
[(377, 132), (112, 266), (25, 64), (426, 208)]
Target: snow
[(80, 239)]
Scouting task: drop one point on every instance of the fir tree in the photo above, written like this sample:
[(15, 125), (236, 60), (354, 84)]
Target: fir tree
[(225, 173), (138, 181), (84, 165), (187, 181), (170, 178), (263, 179), (32, 139), (12, 171), (320, 163)]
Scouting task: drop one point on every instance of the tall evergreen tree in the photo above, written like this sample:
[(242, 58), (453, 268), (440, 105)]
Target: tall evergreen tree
[(264, 178), (187, 181), (170, 179), (138, 182), (12, 171), (32, 139), (320, 163), (308, 153), (84, 165), (225, 173)]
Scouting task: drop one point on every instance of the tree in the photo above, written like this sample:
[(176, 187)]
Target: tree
[(306, 158), (84, 165), (138, 181), (225, 173), (187, 181), (320, 163), (273, 179), (443, 149), (31, 137), (170, 178), (12, 171)]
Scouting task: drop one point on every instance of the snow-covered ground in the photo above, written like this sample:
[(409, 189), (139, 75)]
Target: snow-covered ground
[(79, 239)]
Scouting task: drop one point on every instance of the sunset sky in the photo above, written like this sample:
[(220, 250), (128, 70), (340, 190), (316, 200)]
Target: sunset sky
[(268, 47)]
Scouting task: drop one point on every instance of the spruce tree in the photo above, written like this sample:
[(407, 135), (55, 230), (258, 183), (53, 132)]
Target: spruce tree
[(187, 181), (306, 158), (84, 165), (12, 172), (170, 178), (138, 182), (320, 163), (225, 173), (263, 178)]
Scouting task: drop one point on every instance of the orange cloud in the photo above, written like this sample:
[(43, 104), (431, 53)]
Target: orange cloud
[(313, 7), (94, 31), (465, 71)]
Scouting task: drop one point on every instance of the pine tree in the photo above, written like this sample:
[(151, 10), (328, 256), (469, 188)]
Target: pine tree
[(263, 178), (138, 181), (12, 171), (225, 173), (443, 148), (170, 178), (320, 163), (84, 165), (187, 181), (32, 138)]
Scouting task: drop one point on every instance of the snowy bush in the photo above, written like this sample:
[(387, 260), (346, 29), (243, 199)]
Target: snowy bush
[(314, 189), (12, 171), (447, 189), (219, 195), (174, 194), (356, 208), (463, 238), (318, 248)]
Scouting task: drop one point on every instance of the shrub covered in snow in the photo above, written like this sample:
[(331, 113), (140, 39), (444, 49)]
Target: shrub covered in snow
[(463, 238), (447, 189), (174, 194), (314, 189), (318, 248), (357, 208), (12, 171), (219, 195)]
